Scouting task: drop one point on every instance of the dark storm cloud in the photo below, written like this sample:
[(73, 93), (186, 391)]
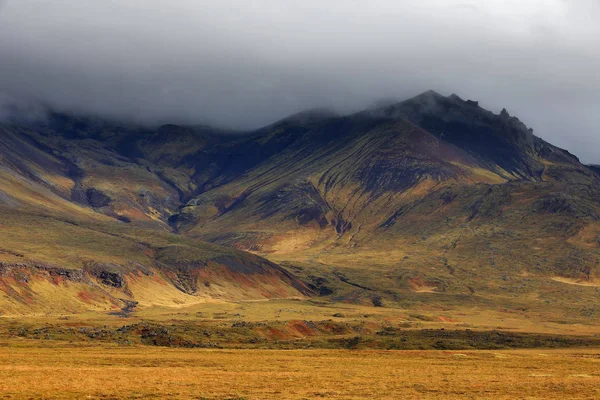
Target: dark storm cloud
[(246, 63)]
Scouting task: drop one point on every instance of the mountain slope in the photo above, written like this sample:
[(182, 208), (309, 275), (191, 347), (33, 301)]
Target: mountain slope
[(334, 171), (433, 196), (82, 227)]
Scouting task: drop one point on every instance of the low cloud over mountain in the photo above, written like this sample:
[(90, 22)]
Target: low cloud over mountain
[(243, 65)]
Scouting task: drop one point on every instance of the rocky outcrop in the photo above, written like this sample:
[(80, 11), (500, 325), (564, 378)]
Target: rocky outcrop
[(97, 198)]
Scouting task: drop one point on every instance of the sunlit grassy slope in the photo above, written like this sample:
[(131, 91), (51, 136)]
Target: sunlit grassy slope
[(81, 228), (57, 266)]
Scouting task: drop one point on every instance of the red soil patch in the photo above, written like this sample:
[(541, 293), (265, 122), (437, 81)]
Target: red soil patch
[(336, 329), (7, 288), (85, 296), (57, 280), (27, 298), (159, 280), (135, 214), (276, 334), (301, 328), (446, 319), (421, 285)]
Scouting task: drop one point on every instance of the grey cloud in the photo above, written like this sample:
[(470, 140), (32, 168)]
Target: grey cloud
[(245, 64)]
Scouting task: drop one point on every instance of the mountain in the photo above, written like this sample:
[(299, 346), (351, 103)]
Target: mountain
[(433, 199), (83, 227)]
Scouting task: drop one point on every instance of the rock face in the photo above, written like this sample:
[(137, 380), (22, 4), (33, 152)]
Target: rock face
[(433, 189), (97, 199)]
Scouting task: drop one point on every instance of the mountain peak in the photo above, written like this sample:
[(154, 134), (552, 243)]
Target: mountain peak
[(429, 95), (310, 116), (430, 92)]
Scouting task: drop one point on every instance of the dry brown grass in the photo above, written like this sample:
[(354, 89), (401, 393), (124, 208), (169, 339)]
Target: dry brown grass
[(141, 372)]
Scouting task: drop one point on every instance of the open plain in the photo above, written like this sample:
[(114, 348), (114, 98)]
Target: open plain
[(76, 371)]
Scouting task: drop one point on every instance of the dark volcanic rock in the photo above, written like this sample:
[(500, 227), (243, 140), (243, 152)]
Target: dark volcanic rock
[(108, 274), (96, 198)]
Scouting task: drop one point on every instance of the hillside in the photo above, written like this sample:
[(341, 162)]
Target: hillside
[(433, 195), (433, 200), (82, 228)]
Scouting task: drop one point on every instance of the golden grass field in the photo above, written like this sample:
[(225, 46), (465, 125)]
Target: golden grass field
[(29, 371)]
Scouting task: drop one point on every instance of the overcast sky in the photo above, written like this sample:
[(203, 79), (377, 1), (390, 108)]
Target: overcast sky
[(243, 64)]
